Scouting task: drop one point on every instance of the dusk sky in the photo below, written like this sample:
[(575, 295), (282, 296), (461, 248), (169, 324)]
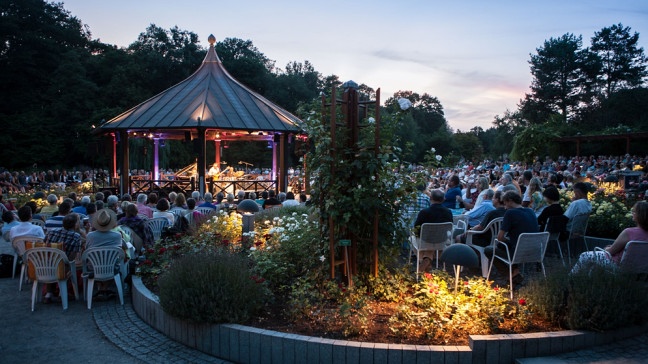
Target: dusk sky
[(473, 55)]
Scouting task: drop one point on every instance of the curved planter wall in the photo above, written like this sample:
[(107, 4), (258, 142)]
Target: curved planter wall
[(246, 344)]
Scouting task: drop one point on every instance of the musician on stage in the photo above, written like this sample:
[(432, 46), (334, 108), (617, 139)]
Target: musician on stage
[(213, 171)]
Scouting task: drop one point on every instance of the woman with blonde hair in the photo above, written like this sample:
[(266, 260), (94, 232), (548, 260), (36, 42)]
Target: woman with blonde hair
[(535, 192)]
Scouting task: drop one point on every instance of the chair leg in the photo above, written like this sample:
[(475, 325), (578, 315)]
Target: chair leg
[(63, 290), (490, 266), (562, 258), (34, 290), (511, 279), (484, 264), (22, 277), (15, 262), (437, 259), (89, 292), (120, 289), (569, 252)]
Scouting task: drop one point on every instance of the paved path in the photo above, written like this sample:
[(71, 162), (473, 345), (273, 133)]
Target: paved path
[(108, 333), (114, 333)]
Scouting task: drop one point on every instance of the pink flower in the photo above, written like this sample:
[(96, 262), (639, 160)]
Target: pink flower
[(522, 301)]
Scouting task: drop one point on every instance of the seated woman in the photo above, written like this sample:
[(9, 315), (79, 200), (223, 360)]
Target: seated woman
[(142, 234), (535, 192), (163, 210), (613, 253)]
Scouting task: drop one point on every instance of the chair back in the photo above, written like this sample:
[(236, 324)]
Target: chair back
[(457, 218), (555, 226), (45, 215), (435, 236), (205, 210), (38, 222), (530, 248), (102, 261), (157, 224), (579, 225), (177, 212), (143, 216), (635, 256), (494, 227), (20, 243), (48, 264)]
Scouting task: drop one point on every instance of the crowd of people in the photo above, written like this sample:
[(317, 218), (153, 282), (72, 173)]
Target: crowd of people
[(526, 197)]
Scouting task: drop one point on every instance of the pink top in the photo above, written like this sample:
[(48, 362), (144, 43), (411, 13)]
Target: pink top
[(634, 233)]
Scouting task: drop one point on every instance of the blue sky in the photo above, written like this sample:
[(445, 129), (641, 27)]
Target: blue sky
[(473, 54)]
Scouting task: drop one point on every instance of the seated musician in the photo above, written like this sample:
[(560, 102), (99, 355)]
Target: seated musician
[(214, 171)]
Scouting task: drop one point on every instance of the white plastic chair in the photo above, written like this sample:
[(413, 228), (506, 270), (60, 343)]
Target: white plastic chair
[(208, 211), (493, 227), (177, 211), (578, 229), (530, 248), (18, 244), (143, 216), (38, 222), (102, 264), (157, 224), (50, 267), (433, 238)]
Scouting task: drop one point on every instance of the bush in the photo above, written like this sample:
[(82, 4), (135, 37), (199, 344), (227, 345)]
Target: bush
[(592, 299), (211, 288)]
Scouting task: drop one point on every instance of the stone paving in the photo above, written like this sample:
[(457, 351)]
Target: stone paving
[(111, 332)]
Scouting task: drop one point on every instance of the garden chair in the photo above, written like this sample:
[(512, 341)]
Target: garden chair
[(634, 258), (578, 229), (50, 266), (157, 224), (143, 216), (493, 227), (207, 211), (555, 226), (102, 264), (177, 211), (433, 238), (20, 247), (530, 248), (38, 222)]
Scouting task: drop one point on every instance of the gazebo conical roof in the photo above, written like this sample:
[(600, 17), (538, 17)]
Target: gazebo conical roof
[(210, 98)]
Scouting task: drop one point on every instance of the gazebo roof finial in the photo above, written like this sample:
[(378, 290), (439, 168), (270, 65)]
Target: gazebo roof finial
[(211, 39)]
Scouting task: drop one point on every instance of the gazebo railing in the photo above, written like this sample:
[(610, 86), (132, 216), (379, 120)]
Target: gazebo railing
[(141, 185)]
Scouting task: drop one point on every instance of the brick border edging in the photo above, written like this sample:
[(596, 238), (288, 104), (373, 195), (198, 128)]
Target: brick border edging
[(246, 344)]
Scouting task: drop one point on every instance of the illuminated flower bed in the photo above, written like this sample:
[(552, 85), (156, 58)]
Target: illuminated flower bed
[(287, 255)]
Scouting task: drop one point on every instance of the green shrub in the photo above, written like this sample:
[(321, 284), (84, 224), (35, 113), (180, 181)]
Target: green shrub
[(592, 299), (211, 288)]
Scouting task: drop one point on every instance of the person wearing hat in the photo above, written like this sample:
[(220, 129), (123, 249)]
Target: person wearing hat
[(103, 235)]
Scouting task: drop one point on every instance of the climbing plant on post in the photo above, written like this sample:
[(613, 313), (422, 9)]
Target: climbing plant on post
[(356, 184)]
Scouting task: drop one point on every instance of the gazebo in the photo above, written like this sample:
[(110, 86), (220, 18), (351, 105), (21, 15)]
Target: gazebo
[(210, 105)]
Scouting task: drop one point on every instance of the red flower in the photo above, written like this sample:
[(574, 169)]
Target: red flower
[(522, 301), (267, 236), (480, 296), (465, 283), (496, 288), (151, 250), (162, 250), (225, 242), (257, 243), (428, 276), (177, 247), (147, 262)]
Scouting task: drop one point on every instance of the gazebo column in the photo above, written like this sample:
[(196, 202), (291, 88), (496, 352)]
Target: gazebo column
[(202, 160), (156, 159), (217, 149), (124, 181), (282, 163), (113, 164), (273, 176)]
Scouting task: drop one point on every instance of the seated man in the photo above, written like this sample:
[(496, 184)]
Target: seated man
[(103, 223), (453, 191), (25, 227), (68, 235), (271, 201), (517, 220), (436, 213), (475, 216), (579, 205)]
